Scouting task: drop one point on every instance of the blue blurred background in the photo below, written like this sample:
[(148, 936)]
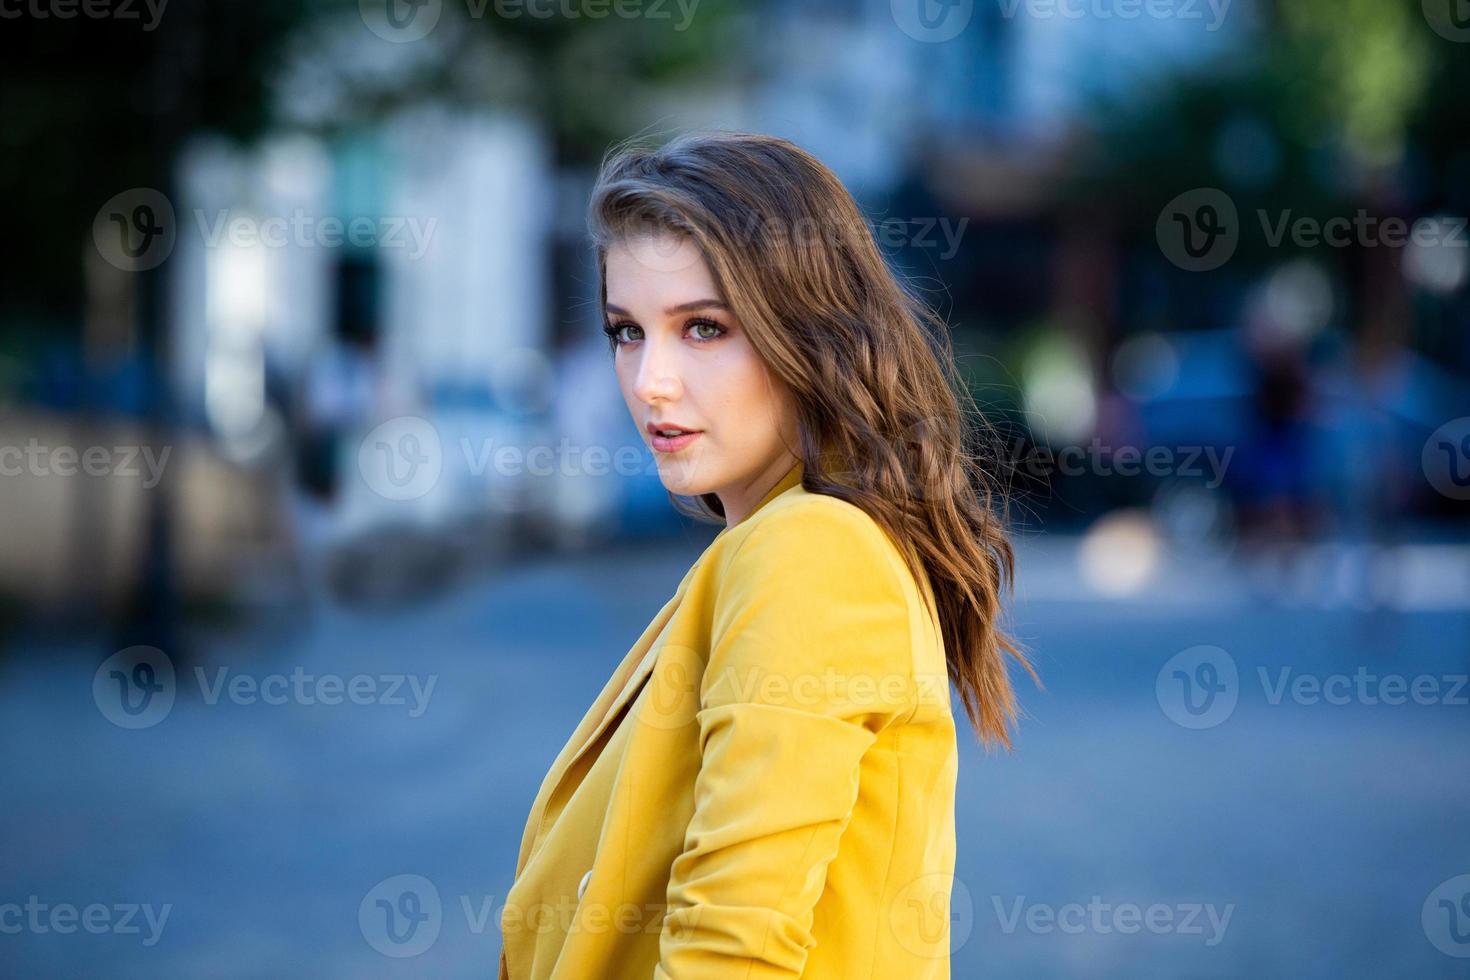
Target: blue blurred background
[(324, 521)]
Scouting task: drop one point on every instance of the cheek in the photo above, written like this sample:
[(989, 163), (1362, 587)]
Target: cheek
[(623, 370), (749, 391)]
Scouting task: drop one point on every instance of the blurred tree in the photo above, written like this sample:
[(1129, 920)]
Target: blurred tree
[(588, 80), (100, 100), (96, 101), (1326, 108), (96, 105), (1306, 114)]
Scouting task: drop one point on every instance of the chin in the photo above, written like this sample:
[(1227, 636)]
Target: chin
[(684, 478)]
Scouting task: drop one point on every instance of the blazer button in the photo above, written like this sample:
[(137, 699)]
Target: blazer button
[(582, 885)]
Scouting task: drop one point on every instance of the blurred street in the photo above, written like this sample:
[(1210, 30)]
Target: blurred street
[(326, 513), (1294, 838)]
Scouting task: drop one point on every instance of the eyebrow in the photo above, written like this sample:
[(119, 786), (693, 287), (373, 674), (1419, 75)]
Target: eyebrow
[(690, 307)]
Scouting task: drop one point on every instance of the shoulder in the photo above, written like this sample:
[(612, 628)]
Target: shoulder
[(815, 556), (811, 532), (810, 589)]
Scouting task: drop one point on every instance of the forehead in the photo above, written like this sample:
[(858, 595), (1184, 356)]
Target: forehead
[(663, 268)]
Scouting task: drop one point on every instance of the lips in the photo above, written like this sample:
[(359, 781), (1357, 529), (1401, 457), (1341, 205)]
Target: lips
[(671, 443)]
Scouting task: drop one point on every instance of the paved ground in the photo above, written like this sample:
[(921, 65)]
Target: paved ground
[(1287, 837)]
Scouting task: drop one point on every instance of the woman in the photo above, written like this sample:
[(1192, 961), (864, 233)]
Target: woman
[(765, 786)]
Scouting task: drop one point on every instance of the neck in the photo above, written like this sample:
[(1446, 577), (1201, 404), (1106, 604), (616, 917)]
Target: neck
[(744, 500)]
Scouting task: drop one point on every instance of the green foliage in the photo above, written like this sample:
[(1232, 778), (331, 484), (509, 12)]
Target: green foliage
[(1322, 109), (94, 106)]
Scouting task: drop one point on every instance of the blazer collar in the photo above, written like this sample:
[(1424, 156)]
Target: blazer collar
[(621, 688), (791, 479)]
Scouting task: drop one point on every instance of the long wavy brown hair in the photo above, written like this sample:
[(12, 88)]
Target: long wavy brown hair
[(885, 421)]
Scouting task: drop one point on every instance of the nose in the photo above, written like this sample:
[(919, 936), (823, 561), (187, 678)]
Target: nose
[(657, 376)]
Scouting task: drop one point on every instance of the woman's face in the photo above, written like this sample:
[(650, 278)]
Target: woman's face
[(683, 360)]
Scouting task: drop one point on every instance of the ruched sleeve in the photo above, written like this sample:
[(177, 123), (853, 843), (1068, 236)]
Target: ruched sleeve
[(810, 657)]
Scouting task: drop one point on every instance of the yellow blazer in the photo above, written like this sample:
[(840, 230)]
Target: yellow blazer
[(765, 786)]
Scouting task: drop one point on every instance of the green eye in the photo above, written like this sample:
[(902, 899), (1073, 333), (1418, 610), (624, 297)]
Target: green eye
[(715, 329), (614, 332)]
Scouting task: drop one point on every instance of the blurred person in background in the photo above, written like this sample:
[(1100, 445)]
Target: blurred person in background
[(1276, 501), (775, 757), (337, 395)]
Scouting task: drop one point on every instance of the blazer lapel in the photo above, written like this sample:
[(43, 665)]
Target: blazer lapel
[(624, 684), (622, 687)]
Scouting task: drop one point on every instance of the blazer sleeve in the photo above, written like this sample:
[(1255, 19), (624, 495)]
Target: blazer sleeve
[(810, 658)]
